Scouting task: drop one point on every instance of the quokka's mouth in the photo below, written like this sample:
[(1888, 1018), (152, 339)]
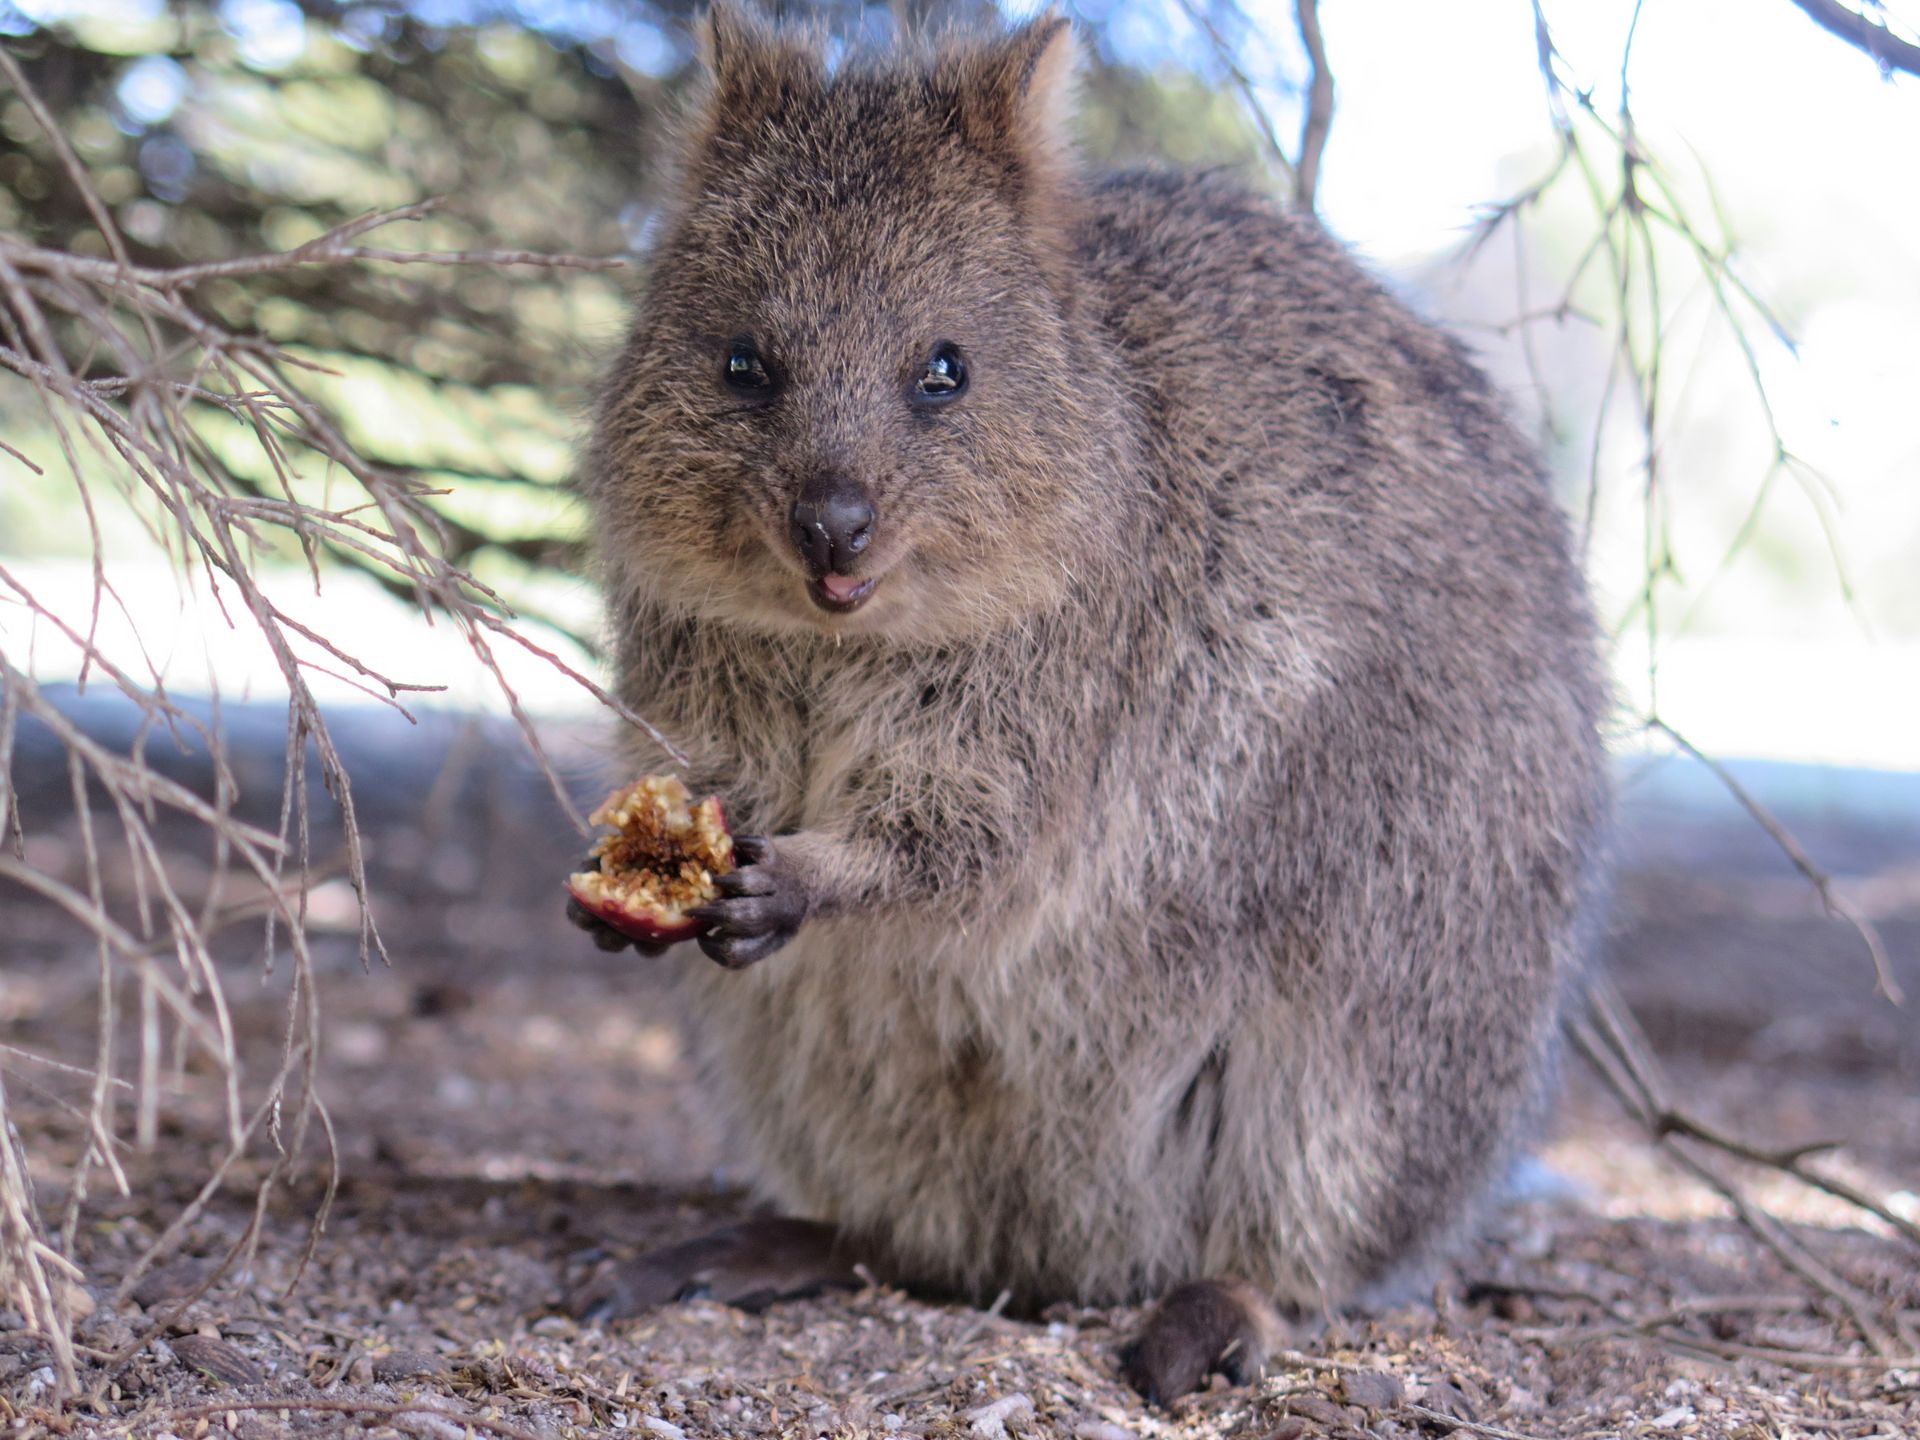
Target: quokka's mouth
[(841, 594)]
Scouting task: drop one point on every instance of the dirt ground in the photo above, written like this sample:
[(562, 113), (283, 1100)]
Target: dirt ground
[(511, 1107)]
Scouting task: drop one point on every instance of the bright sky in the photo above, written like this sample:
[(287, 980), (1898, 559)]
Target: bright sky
[(1436, 103), (1816, 162)]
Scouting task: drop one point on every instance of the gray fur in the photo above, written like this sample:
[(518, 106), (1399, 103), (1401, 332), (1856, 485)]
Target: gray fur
[(1197, 827)]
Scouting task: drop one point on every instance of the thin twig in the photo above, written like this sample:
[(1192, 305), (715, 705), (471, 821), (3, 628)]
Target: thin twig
[(1227, 58), (1811, 1361), (364, 1407), (1822, 883), (1454, 1422)]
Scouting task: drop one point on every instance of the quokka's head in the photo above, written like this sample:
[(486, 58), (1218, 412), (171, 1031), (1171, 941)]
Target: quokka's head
[(859, 396)]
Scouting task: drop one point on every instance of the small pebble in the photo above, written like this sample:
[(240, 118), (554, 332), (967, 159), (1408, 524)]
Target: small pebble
[(1317, 1408), (992, 1419), (213, 1356), (1448, 1399), (1372, 1389), (402, 1364)]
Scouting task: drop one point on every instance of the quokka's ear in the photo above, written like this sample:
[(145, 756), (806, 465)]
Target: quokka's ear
[(753, 67), (1012, 94), (1011, 98), (1027, 83)]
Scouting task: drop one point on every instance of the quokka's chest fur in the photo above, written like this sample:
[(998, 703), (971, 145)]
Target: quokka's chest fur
[(983, 1104), (1000, 749)]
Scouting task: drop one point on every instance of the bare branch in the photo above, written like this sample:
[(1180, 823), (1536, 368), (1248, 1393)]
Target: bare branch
[(128, 367), (1605, 1032), (1319, 118), (1872, 37), (441, 1418), (1225, 57)]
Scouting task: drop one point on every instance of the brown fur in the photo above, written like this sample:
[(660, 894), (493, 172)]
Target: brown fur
[(1191, 839)]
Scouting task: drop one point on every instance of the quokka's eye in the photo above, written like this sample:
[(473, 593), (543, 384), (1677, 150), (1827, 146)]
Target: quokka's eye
[(943, 377), (745, 370)]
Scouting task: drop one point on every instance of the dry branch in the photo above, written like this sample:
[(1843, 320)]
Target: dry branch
[(1440, 1420), (441, 1416), (1318, 123), (1866, 34), (127, 367), (1300, 169), (1606, 1034), (1632, 198), (1225, 56)]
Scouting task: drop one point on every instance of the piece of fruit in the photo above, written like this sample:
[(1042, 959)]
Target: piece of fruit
[(658, 864)]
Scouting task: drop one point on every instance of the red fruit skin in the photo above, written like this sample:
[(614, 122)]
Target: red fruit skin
[(648, 925)]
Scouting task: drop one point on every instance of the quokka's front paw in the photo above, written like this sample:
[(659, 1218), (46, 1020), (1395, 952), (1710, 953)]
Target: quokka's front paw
[(762, 905)]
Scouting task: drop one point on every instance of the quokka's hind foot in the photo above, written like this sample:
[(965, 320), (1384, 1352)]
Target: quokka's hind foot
[(1198, 1329), (749, 1265)]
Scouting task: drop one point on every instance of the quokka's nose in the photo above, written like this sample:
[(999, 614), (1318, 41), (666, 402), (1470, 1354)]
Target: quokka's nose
[(830, 526)]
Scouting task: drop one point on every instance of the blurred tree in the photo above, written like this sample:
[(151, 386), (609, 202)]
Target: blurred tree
[(215, 131)]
